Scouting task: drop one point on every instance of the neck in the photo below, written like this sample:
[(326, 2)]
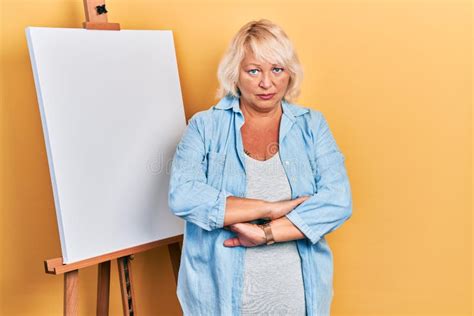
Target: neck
[(251, 113)]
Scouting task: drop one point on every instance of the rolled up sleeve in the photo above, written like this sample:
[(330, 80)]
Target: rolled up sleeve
[(331, 205), (189, 195)]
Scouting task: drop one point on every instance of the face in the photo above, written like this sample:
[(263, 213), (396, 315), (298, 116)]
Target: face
[(262, 85)]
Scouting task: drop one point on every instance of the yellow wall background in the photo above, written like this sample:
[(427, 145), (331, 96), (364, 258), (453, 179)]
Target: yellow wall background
[(393, 79)]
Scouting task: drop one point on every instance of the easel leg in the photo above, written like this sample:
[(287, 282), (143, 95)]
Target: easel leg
[(103, 289), (175, 256), (71, 280), (126, 286)]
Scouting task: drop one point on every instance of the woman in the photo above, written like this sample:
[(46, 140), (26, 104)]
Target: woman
[(259, 182)]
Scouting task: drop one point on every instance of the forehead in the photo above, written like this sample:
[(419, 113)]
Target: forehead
[(251, 60)]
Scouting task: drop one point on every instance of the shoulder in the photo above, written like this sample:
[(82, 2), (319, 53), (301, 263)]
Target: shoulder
[(209, 122), (310, 117), (200, 117), (213, 113)]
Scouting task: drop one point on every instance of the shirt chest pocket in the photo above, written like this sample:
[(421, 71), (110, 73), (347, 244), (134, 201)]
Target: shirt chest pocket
[(215, 169)]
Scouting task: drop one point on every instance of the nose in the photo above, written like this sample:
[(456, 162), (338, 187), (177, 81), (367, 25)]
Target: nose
[(266, 82)]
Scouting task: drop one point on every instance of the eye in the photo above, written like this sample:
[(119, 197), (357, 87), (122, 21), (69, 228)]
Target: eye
[(278, 70), (253, 71)]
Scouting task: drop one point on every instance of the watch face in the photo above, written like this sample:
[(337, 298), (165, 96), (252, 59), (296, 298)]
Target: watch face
[(262, 221)]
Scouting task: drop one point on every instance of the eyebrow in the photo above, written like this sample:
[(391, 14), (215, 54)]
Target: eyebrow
[(259, 65)]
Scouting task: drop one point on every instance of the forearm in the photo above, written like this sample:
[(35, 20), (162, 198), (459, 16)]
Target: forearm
[(239, 210), (284, 230)]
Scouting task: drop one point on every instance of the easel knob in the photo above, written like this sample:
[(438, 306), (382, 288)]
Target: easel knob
[(96, 16)]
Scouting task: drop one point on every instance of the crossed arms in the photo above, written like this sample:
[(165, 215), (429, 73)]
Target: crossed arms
[(191, 198)]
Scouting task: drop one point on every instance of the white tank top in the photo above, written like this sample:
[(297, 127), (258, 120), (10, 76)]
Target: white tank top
[(273, 281)]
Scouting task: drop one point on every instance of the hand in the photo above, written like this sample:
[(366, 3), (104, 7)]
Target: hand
[(281, 208), (248, 235)]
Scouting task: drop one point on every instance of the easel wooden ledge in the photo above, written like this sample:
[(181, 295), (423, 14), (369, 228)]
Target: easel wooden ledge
[(96, 19), (71, 275)]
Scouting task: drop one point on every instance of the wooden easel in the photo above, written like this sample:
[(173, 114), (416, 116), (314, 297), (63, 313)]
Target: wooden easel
[(71, 275), (96, 19), (96, 16)]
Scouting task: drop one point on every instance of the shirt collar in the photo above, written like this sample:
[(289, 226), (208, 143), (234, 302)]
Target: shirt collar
[(231, 102)]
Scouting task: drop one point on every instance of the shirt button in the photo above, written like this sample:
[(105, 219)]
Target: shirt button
[(287, 162)]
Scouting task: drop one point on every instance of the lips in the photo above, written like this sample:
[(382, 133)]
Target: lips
[(266, 96)]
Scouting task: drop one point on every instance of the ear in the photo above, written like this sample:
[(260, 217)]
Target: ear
[(287, 97), (237, 90)]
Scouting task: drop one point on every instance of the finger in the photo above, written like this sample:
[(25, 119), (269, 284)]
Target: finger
[(297, 201), (232, 242), (234, 227)]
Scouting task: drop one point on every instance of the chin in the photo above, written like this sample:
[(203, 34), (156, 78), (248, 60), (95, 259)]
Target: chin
[(267, 103)]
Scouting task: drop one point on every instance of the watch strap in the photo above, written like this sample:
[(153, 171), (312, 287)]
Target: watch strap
[(267, 229)]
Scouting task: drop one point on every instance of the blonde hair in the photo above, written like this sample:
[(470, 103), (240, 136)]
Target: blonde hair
[(269, 43)]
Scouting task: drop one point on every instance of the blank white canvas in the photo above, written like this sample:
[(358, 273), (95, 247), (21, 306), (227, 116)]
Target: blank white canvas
[(112, 115)]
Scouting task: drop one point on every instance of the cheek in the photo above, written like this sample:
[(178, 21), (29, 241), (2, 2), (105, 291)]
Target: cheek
[(246, 83), (283, 82)]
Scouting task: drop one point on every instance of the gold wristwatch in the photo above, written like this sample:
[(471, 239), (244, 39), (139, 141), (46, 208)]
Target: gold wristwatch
[(267, 229)]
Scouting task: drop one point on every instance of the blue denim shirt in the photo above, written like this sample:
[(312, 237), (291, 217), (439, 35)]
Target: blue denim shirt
[(209, 165)]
